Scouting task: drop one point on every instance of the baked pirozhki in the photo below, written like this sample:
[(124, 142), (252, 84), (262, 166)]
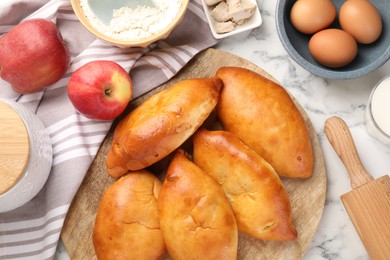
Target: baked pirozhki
[(127, 224), (254, 189), (161, 124), (262, 114), (196, 218)]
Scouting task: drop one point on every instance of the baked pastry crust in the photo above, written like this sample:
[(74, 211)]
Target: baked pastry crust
[(161, 124), (127, 224), (262, 114), (196, 218), (255, 191)]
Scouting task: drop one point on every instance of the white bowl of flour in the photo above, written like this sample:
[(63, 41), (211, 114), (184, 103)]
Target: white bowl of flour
[(133, 27)]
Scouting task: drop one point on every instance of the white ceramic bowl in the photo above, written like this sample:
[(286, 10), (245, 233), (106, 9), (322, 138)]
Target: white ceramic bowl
[(38, 160), (253, 22)]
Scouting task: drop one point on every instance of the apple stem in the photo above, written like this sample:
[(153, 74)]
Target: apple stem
[(107, 91)]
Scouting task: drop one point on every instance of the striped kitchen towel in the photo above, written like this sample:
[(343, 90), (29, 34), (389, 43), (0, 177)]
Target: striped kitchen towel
[(33, 230)]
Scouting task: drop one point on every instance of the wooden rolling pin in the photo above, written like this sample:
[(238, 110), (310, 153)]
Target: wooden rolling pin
[(368, 204)]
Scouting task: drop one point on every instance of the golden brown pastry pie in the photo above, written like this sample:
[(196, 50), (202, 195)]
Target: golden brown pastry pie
[(262, 114), (255, 191), (161, 124), (127, 224), (196, 218)]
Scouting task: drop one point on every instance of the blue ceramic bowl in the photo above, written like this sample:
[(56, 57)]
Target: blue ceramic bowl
[(369, 57)]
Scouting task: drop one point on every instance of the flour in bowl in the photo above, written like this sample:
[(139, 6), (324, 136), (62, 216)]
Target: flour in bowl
[(135, 23)]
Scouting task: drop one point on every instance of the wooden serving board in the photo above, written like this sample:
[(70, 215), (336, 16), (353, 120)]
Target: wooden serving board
[(307, 196)]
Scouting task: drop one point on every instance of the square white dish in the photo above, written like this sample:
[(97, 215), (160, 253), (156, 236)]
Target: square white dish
[(254, 21)]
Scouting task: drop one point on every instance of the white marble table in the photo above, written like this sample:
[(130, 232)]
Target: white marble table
[(336, 237)]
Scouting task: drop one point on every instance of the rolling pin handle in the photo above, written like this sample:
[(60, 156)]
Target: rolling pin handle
[(342, 142)]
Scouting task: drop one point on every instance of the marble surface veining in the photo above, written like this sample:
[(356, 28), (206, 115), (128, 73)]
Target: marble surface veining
[(336, 237)]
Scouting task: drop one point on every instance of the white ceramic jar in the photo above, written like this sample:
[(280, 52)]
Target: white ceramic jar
[(377, 114), (25, 155)]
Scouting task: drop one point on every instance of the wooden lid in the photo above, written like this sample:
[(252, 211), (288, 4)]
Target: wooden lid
[(14, 147)]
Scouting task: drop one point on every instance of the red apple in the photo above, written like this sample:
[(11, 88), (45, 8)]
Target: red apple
[(33, 55), (100, 89)]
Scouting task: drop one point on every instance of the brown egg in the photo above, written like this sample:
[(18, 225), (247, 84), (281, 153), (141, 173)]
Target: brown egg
[(333, 48), (361, 19), (310, 16)]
